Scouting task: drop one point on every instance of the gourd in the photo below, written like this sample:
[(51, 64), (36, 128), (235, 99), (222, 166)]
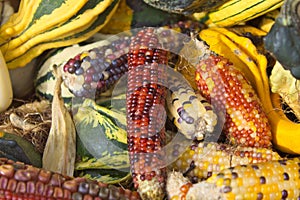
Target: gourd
[(285, 133), (185, 7), (16, 148), (235, 12), (6, 93), (38, 28), (283, 39), (133, 14), (102, 142)]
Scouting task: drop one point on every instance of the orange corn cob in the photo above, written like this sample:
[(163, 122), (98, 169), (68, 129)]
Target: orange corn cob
[(19, 181), (246, 123), (145, 129), (202, 160)]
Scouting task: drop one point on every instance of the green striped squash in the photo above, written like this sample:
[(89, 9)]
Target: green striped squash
[(101, 142), (51, 25), (238, 11)]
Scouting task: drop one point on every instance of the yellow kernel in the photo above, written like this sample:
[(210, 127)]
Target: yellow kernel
[(84, 54), (176, 197), (220, 182)]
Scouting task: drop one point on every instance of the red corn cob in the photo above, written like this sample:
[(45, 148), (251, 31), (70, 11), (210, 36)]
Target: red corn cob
[(246, 123), (145, 94), (25, 182)]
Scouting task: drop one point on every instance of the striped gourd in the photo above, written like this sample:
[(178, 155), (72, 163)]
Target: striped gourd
[(186, 7), (136, 14), (238, 11), (78, 21), (101, 143)]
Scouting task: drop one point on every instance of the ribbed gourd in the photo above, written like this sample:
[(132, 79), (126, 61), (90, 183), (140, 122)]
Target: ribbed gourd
[(186, 7), (42, 25)]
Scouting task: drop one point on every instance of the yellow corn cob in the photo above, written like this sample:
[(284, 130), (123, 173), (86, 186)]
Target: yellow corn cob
[(202, 160)]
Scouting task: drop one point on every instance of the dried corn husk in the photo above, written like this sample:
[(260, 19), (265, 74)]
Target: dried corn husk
[(283, 83), (60, 150)]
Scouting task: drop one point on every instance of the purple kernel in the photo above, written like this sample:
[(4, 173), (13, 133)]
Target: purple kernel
[(79, 71), (88, 78), (90, 70)]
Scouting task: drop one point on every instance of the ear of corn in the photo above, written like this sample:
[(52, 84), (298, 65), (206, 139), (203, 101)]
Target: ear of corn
[(21, 181), (145, 128), (202, 160), (254, 66), (190, 112), (93, 72), (269, 180), (246, 123)]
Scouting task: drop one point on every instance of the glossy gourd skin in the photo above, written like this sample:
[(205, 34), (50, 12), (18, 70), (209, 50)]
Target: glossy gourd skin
[(6, 93), (187, 6), (283, 40)]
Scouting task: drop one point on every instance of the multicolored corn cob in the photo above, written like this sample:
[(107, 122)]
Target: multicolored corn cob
[(202, 160), (93, 72), (190, 112), (246, 124), (145, 99), (177, 186), (268, 180), (24, 182)]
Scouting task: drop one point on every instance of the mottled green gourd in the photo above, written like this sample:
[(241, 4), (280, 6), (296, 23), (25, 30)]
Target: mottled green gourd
[(283, 40), (101, 143), (16, 148), (185, 7)]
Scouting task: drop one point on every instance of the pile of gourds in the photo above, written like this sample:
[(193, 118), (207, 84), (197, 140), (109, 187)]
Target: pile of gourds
[(261, 38)]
